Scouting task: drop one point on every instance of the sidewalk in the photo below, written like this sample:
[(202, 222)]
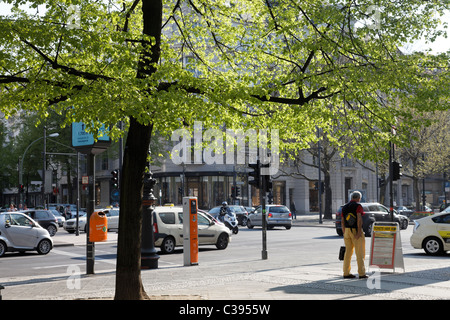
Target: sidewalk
[(252, 279)]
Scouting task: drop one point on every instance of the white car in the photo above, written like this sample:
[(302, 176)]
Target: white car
[(111, 214), (432, 233), (18, 232), (168, 229)]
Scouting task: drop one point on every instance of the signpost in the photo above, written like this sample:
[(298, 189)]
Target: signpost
[(84, 142), (386, 246), (190, 231)]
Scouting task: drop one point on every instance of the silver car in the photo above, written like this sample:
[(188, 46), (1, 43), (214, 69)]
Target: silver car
[(18, 232), (276, 215)]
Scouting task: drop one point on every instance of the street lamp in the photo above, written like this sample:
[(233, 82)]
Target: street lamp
[(52, 135), (149, 258)]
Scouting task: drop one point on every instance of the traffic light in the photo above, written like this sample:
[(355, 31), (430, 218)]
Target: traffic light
[(396, 167), (21, 188), (270, 198), (115, 179), (381, 182), (256, 174), (268, 185), (235, 192), (266, 179)]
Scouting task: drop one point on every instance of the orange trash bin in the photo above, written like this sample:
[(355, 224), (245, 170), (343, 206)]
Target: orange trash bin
[(98, 227)]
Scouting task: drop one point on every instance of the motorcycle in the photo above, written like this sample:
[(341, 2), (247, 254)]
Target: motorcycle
[(230, 221)]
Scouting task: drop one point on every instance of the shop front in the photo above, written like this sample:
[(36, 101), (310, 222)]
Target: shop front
[(211, 188)]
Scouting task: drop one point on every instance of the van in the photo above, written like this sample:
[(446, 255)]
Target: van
[(168, 230)]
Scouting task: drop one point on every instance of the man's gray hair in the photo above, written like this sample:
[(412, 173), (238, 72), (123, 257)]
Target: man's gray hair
[(356, 195)]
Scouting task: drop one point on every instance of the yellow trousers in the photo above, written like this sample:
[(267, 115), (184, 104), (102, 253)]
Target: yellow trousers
[(359, 245)]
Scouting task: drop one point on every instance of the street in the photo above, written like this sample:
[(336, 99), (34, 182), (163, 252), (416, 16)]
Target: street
[(303, 245)]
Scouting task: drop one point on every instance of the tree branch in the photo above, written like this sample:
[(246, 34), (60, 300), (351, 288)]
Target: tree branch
[(69, 70), (13, 79), (128, 14)]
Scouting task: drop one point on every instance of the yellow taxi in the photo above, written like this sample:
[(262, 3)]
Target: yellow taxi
[(432, 233)]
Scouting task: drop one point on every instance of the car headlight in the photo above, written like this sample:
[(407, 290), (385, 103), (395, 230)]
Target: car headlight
[(416, 225)]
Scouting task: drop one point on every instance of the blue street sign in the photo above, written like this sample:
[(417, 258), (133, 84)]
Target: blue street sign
[(81, 138)]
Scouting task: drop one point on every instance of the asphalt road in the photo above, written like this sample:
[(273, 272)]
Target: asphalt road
[(301, 245)]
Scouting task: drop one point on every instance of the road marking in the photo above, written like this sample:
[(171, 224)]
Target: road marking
[(76, 255), (58, 266)]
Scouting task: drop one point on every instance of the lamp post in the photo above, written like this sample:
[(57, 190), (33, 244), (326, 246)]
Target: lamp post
[(52, 135), (149, 258)]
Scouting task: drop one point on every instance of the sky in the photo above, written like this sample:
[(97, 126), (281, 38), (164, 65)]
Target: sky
[(440, 45)]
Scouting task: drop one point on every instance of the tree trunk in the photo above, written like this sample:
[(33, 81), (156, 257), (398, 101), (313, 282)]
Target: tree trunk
[(128, 271), (328, 214), (416, 192)]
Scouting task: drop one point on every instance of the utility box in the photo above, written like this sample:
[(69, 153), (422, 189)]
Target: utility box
[(190, 231)]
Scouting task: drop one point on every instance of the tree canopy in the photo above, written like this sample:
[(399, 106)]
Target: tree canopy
[(284, 63)]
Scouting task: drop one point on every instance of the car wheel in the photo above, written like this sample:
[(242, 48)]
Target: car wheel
[(288, 227), (168, 245), (222, 241), (433, 246), (405, 224), (52, 230), (368, 232), (249, 224), (44, 246), (3, 248)]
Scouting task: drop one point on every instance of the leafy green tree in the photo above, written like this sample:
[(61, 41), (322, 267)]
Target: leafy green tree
[(428, 152), (286, 64)]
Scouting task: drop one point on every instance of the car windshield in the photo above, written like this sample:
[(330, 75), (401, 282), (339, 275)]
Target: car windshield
[(280, 209), (214, 210)]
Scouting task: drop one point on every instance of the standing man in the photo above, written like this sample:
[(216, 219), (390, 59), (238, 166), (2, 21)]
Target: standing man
[(293, 211), (351, 221)]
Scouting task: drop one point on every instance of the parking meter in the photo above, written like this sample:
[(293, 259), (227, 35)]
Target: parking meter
[(190, 231)]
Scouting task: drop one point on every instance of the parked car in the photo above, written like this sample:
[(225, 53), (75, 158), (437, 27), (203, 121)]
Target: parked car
[(404, 211), (432, 233), (250, 209), (276, 215), (239, 211), (59, 217), (45, 218), (70, 225), (18, 232), (168, 229), (373, 211), (111, 214)]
